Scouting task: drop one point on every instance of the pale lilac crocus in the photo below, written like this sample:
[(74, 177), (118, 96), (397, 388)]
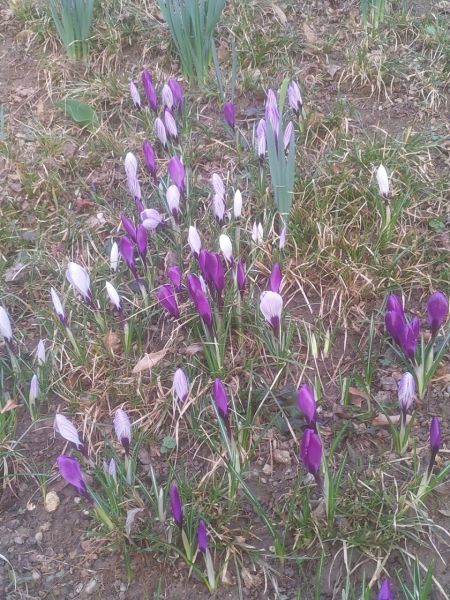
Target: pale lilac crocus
[(271, 306), (180, 386), (151, 219), (272, 114), (282, 240), (194, 241), (67, 430), (175, 505), (174, 274), (160, 131), (114, 257), (177, 173), (5, 325), (173, 200), (111, 469), (122, 428), (306, 403), (134, 188), (170, 124), (383, 181), (287, 135), (257, 233), (261, 139), (136, 98), (177, 92), (149, 89), (150, 158), (229, 114), (406, 392), (295, 97), (78, 278), (57, 305), (167, 299), (167, 96), (275, 278), (70, 470), (33, 393), (39, 353), (226, 248)]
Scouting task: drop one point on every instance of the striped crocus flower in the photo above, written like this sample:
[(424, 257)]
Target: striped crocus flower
[(160, 131), (122, 428), (167, 96), (67, 430), (295, 98), (170, 124), (177, 92), (78, 278), (271, 306), (135, 97), (57, 305), (180, 386)]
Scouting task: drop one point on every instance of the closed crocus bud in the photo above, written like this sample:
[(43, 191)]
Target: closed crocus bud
[(177, 92), (151, 219), (175, 505), (295, 97), (203, 307), (174, 274), (240, 275), (40, 354), (271, 305), (202, 536), (306, 403), (193, 284), (272, 114), (229, 114), (122, 428), (167, 299), (180, 386), (218, 185), (257, 233), (394, 303), (409, 338), (177, 173), (33, 394), (111, 469), (135, 190), (435, 435), (173, 200), (215, 271), (226, 247), (406, 392), (79, 280), (287, 135), (149, 89), (237, 204), (113, 296), (130, 164), (311, 451), (57, 305), (5, 325), (220, 398), (142, 241), (126, 248), (114, 257), (282, 240), (437, 308), (385, 592), (70, 470), (167, 96), (129, 227), (219, 208), (160, 131), (150, 158), (194, 241), (261, 139), (275, 278), (67, 430), (383, 181), (395, 324), (170, 124), (135, 95)]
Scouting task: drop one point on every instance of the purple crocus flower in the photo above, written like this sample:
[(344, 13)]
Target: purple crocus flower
[(275, 278), (174, 274), (229, 114), (202, 536), (385, 592), (220, 398), (435, 435), (122, 427), (142, 241), (150, 158), (214, 271), (394, 303), (271, 305), (129, 227), (167, 299), (203, 307), (306, 403), (177, 92), (409, 337), (193, 285), (311, 451), (126, 249), (295, 97), (175, 505), (240, 275), (70, 471), (177, 173), (395, 323), (272, 114), (437, 308), (149, 89), (135, 95)]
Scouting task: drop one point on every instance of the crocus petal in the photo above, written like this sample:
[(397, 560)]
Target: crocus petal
[(122, 427), (70, 471), (33, 394), (406, 391), (150, 158), (226, 247), (142, 241), (271, 305), (40, 353), (437, 308), (240, 275), (129, 227), (306, 403), (435, 435), (167, 96), (173, 200), (295, 97), (175, 504), (219, 208), (237, 204), (160, 131), (57, 305), (383, 181), (194, 240), (202, 536), (275, 278), (311, 451), (177, 173), (135, 95), (229, 113), (167, 299), (261, 139), (220, 398), (174, 274), (67, 430), (170, 124), (149, 89), (127, 251), (151, 219), (79, 280), (114, 257), (113, 295), (177, 92), (130, 164), (5, 325), (218, 185), (180, 386)]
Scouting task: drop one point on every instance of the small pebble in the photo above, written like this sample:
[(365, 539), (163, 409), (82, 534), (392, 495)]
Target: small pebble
[(90, 587)]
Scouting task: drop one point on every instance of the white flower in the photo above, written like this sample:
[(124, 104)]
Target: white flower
[(40, 353), (170, 124), (113, 295), (194, 240), (5, 325), (173, 199), (287, 135), (122, 427), (160, 131), (383, 181), (257, 233), (180, 386), (282, 240), (167, 96), (79, 280), (237, 204), (218, 208), (67, 430), (151, 218), (218, 185), (130, 163), (134, 186), (34, 390), (271, 305), (135, 94), (226, 247), (114, 257)]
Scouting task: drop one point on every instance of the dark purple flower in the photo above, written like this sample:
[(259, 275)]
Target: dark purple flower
[(202, 536), (394, 303), (177, 173), (437, 308), (142, 241), (150, 158), (203, 307), (409, 337), (435, 435), (129, 227), (177, 92), (149, 90), (385, 592), (220, 398), (175, 505), (306, 403), (229, 114), (70, 471), (126, 249), (214, 272), (240, 275), (193, 285), (311, 451), (395, 323), (275, 278), (166, 298), (174, 274)]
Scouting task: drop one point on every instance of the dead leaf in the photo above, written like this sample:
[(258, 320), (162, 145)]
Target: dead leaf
[(357, 395), (193, 349), (148, 361), (82, 204), (10, 405), (112, 342), (279, 13), (15, 272), (309, 34), (250, 581), (131, 515), (332, 70), (382, 420)]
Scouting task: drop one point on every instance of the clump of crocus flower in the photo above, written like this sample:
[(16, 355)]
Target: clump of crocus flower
[(307, 405), (311, 453), (385, 592)]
